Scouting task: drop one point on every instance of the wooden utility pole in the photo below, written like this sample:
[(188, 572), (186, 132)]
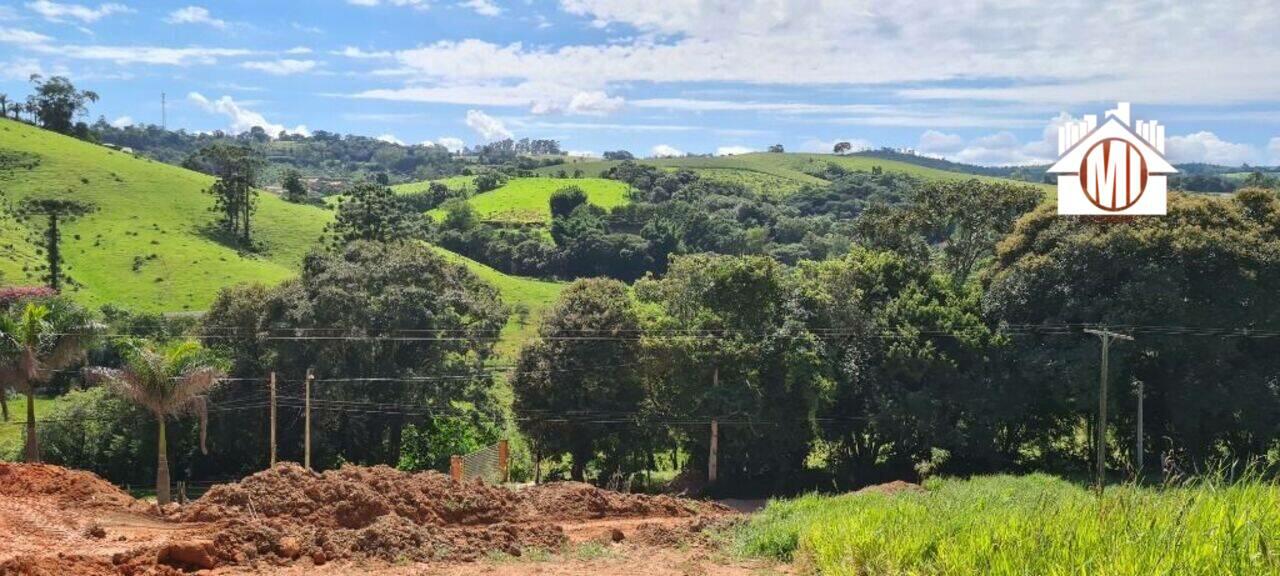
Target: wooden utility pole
[(273, 419), (306, 427), (1107, 337), (1138, 452)]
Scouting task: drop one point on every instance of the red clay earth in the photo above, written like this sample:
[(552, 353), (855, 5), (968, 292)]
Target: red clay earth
[(289, 515)]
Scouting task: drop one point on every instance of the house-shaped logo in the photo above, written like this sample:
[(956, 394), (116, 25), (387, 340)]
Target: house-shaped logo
[(1116, 168)]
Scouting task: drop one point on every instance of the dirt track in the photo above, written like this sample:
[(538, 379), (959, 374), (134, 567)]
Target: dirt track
[(367, 520)]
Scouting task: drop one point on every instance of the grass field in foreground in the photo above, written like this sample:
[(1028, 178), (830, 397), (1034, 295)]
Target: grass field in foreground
[(1028, 525), (527, 200)]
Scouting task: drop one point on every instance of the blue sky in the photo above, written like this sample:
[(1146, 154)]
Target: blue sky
[(980, 82)]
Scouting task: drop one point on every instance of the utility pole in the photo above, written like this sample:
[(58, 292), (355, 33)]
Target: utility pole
[(1107, 337), (1138, 452), (306, 427), (273, 419), (712, 465)]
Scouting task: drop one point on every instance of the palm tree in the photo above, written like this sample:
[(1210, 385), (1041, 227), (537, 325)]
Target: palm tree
[(166, 381), (34, 344)]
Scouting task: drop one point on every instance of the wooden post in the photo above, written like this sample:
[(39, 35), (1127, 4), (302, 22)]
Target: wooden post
[(273, 419), (715, 449), (455, 467), (1138, 449), (504, 454), (306, 427)]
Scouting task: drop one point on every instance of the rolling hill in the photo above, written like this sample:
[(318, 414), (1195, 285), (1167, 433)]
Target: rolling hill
[(149, 246), (769, 173), (527, 200)]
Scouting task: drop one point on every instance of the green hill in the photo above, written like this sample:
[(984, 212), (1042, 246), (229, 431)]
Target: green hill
[(770, 173), (453, 182), (158, 214), (150, 245), (527, 200)]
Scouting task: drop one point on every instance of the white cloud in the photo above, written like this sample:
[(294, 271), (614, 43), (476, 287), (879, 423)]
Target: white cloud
[(56, 12), (141, 54), (733, 150), (194, 15), (353, 52), (451, 143), (1207, 147), (21, 69), (282, 67), (391, 139), (298, 50), (483, 7), (122, 122), (19, 36), (1273, 151), (417, 4), (1078, 52), (594, 103), (938, 143), (665, 151), (487, 126), (242, 119)]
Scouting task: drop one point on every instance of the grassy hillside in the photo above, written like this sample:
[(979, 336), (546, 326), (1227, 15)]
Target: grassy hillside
[(453, 182), (527, 200), (771, 173), (1027, 525), (160, 214), (150, 213)]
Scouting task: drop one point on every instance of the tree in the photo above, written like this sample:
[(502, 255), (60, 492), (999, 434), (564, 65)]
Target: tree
[(776, 149), (618, 155), (564, 200), (488, 181), (842, 147), (4, 105), (36, 341), (381, 301), (56, 211), (56, 102), (167, 382), (295, 190), (236, 167), (1206, 272), (374, 213), (564, 374)]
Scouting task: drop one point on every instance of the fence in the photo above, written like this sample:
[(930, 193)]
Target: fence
[(490, 464)]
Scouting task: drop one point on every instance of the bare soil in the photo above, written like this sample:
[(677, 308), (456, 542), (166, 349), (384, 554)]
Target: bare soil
[(375, 520)]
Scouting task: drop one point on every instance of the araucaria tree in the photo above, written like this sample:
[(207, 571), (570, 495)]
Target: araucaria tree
[(295, 190), (56, 102), (374, 213), (35, 342), (57, 211), (236, 168), (582, 369), (167, 382)]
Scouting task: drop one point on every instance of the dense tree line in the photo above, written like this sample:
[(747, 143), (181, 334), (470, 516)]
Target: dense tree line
[(885, 363)]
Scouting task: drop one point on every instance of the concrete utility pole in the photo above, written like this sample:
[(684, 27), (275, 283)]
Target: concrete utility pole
[(712, 465), (273, 419), (1107, 337), (1138, 452), (306, 427)]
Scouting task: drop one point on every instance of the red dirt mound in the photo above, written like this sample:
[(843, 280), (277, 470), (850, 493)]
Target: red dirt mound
[(895, 487), (83, 489), (578, 501)]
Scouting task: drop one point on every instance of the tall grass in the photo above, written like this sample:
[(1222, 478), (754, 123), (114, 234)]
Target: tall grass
[(1029, 525)]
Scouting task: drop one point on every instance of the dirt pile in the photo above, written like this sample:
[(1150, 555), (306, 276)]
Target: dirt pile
[(72, 487), (890, 488), (578, 501)]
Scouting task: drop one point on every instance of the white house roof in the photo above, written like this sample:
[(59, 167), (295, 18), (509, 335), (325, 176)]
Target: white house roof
[(1069, 163)]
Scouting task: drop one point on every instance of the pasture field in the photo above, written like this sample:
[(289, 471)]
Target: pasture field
[(453, 182), (527, 200), (1037, 524), (11, 431), (773, 173)]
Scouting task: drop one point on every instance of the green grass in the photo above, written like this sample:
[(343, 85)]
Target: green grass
[(453, 182), (527, 200), (148, 210), (775, 174), (11, 431), (1034, 524), (536, 294)]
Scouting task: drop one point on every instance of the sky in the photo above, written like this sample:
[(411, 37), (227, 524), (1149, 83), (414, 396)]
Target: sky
[(983, 82)]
